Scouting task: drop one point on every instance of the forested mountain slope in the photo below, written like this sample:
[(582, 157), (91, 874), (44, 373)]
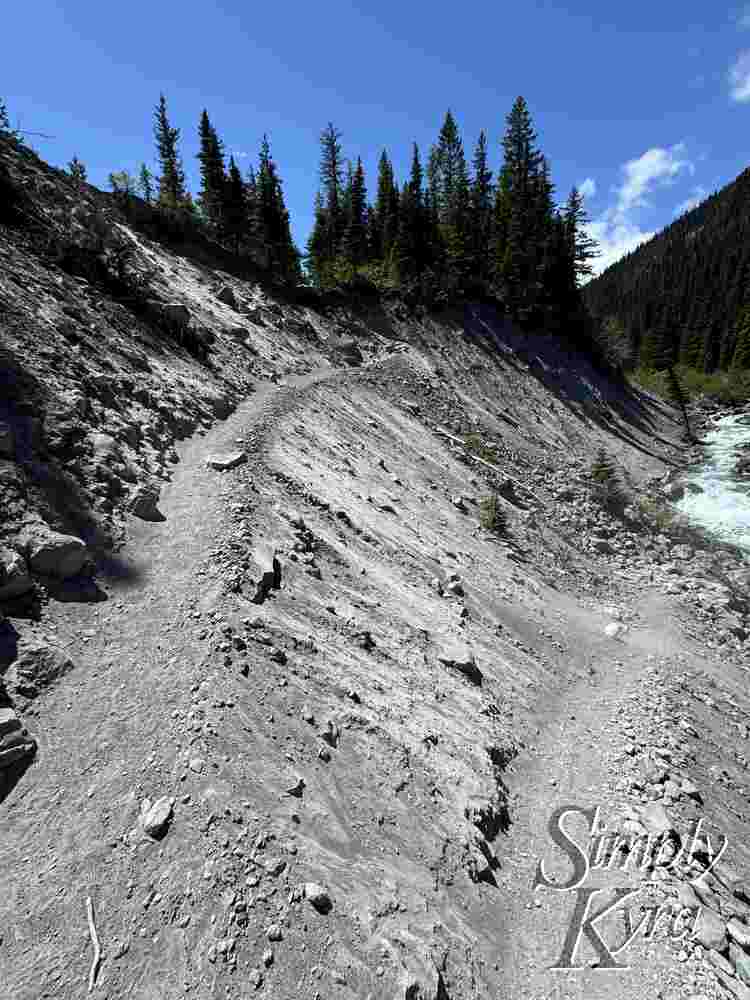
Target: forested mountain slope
[(682, 297)]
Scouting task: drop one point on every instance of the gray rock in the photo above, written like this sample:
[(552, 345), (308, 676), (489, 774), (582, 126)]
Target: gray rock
[(227, 296), (36, 667), (7, 442), (686, 897), (15, 746), (156, 817), (268, 576), (52, 554), (710, 930), (175, 312), (656, 820), (739, 932), (14, 575), (318, 897), (143, 503), (460, 657), (9, 721), (229, 461)]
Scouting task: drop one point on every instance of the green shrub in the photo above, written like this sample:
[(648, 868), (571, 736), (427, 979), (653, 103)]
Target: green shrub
[(476, 445), (492, 517), (607, 488)]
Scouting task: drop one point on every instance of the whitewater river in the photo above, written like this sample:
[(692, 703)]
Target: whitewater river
[(724, 504)]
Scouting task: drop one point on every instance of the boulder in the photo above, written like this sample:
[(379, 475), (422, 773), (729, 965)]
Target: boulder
[(268, 576), (9, 721), (656, 820), (155, 818), (14, 575), (15, 746), (229, 461), (7, 442), (710, 930), (459, 656), (53, 554), (143, 503), (318, 897), (175, 312), (227, 296), (36, 666)]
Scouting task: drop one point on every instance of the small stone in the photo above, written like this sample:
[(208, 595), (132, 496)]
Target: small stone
[(274, 933), (460, 657), (267, 957), (197, 764), (297, 789), (228, 461), (157, 817), (318, 897)]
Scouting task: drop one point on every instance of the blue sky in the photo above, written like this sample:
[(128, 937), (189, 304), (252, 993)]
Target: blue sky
[(643, 104)]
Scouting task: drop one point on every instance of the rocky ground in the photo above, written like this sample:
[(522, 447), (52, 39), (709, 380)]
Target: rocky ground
[(289, 704)]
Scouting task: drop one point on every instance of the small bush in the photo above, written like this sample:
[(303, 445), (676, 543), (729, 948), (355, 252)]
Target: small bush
[(476, 445), (492, 517), (607, 488)]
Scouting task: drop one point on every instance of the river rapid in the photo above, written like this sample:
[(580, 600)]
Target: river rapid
[(722, 502)]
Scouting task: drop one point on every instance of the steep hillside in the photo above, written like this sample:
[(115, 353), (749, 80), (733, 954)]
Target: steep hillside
[(313, 617), (680, 296)]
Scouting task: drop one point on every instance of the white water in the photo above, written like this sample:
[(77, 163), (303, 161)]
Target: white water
[(724, 505)]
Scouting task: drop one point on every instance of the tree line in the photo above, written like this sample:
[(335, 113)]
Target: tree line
[(447, 231), (450, 230)]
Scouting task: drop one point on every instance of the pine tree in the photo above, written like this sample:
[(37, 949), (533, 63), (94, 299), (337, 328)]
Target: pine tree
[(480, 225), (501, 225), (146, 184), (583, 248), (741, 356), (77, 171), (331, 168), (5, 128), (676, 395), (386, 209), (315, 255), (235, 207), (523, 164), (172, 191), (355, 237), (451, 180), (410, 249), (213, 175), (272, 217)]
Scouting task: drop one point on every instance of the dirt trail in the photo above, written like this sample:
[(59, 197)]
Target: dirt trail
[(106, 740), (112, 732), (575, 764)]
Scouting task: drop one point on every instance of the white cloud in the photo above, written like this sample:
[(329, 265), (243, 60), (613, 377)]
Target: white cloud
[(739, 77), (616, 230), (656, 165), (587, 188), (699, 193)]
